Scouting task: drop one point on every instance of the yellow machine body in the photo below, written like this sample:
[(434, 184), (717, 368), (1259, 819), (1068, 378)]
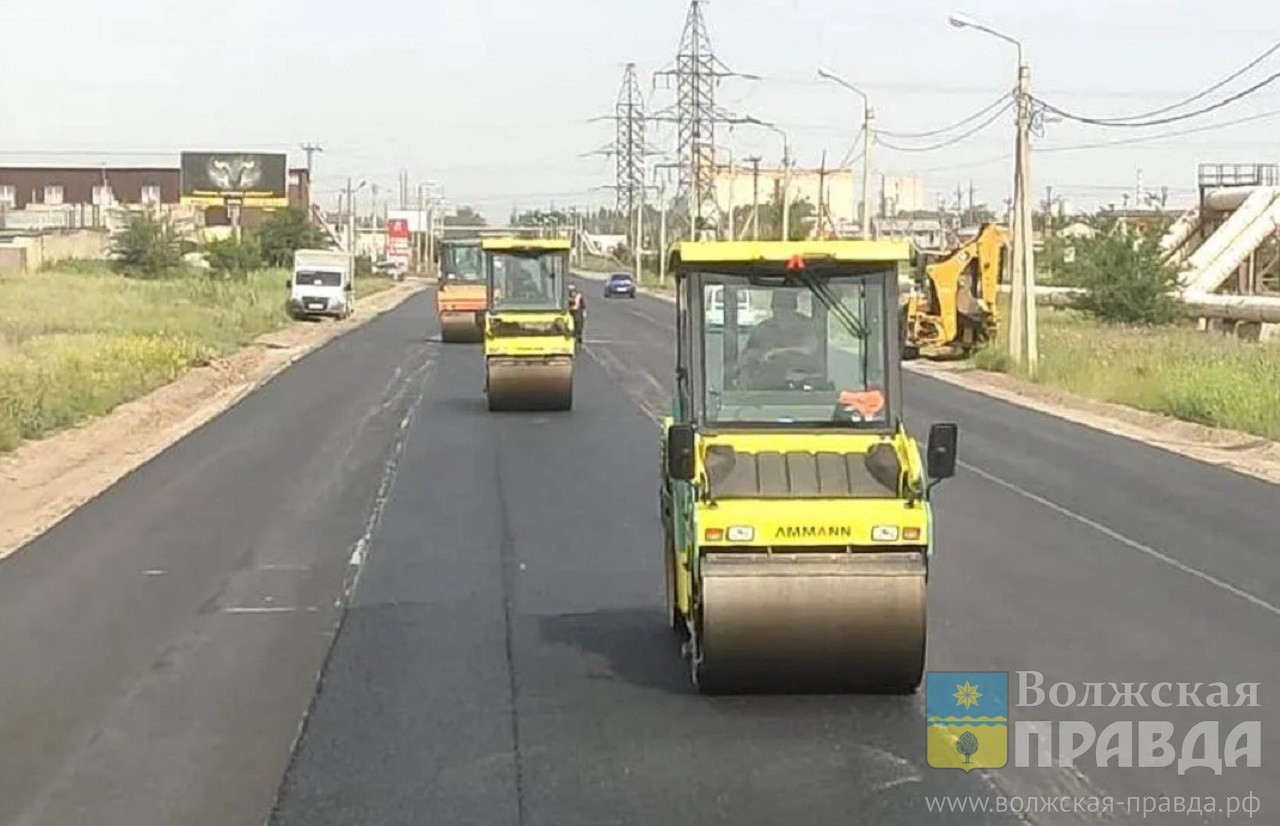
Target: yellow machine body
[(461, 293), (529, 347), (954, 307), (796, 552)]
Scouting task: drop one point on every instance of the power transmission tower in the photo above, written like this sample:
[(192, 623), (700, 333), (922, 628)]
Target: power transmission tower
[(629, 151), (697, 73), (629, 143)]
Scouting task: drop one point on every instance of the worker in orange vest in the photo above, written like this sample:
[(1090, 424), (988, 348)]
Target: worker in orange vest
[(578, 309)]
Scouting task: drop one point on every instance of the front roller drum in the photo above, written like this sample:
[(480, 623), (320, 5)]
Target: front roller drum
[(461, 327), (533, 383), (806, 622)]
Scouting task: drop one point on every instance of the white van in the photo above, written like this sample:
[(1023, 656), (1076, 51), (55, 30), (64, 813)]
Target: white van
[(748, 314), (321, 284)]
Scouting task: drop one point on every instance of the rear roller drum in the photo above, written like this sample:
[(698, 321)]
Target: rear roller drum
[(463, 329), (835, 623), (530, 386)]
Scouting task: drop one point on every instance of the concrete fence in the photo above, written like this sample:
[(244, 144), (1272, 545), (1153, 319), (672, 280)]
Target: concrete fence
[(28, 252)]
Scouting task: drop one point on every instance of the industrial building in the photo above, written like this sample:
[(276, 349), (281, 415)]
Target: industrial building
[(78, 190)]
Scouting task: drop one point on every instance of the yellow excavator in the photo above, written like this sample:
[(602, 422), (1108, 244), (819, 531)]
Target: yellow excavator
[(528, 329), (954, 307), (796, 513)]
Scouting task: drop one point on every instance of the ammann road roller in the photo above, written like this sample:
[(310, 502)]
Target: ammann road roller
[(528, 330), (797, 523), (461, 296)]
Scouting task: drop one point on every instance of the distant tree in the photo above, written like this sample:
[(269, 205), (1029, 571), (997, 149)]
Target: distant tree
[(147, 247), (1123, 277), (967, 745), (229, 258), (285, 232)]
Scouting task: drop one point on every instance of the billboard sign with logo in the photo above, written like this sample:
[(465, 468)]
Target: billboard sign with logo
[(251, 179), (398, 244)]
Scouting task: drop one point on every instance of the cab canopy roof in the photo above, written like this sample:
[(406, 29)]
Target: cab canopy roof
[(754, 252), (525, 244)]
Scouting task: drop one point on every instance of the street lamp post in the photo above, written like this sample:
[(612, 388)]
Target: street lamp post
[(1023, 329), (868, 140)]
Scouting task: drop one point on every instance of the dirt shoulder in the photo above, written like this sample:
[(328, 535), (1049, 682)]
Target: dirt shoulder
[(42, 482), (1241, 452)]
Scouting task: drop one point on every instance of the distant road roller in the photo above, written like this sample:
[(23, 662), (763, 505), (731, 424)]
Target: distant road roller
[(798, 529), (528, 333), (461, 296)]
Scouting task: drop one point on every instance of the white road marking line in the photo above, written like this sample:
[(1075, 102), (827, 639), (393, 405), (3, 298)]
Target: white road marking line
[(153, 572), (1124, 540), (245, 609)]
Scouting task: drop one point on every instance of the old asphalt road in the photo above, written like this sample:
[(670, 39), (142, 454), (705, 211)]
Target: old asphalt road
[(503, 660)]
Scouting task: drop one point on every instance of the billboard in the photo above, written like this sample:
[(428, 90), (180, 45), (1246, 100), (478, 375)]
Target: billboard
[(398, 240), (253, 179)]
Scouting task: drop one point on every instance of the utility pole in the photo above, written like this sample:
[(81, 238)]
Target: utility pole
[(637, 250), (822, 197), (754, 160), (351, 219), (311, 149), (868, 141), (786, 191), (1023, 333)]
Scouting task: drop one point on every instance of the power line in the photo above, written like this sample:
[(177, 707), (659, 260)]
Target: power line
[(1237, 73), (951, 141), (1161, 121), (1004, 98), (1080, 147)]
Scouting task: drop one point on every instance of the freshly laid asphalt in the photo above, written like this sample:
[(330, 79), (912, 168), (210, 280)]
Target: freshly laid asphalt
[(501, 657)]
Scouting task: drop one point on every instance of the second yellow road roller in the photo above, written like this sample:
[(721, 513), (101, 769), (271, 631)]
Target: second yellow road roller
[(798, 530), (461, 294), (528, 333)]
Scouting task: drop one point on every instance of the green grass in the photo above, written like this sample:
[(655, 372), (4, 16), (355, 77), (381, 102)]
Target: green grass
[(74, 345), (1178, 371)]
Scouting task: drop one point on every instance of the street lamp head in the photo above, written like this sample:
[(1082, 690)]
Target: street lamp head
[(961, 21)]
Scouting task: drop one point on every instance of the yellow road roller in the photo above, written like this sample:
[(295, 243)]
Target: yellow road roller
[(795, 505), (461, 295), (528, 330)]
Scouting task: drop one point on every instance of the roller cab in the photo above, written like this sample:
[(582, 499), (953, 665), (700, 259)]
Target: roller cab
[(462, 295), (797, 523), (528, 330)]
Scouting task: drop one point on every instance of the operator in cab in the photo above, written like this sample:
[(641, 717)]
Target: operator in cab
[(785, 343), (578, 309)]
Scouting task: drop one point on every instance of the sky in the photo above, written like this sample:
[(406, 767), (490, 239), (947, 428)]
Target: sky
[(494, 99)]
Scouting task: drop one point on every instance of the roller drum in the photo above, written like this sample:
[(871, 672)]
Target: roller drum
[(531, 383), (460, 327), (803, 622)]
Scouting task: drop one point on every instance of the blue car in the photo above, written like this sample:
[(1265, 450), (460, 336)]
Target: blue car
[(620, 284)]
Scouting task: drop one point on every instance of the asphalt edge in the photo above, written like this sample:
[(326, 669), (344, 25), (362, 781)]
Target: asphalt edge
[(256, 381), (1084, 411)]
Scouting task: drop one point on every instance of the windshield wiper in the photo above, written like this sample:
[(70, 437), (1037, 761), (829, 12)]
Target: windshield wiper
[(849, 321)]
